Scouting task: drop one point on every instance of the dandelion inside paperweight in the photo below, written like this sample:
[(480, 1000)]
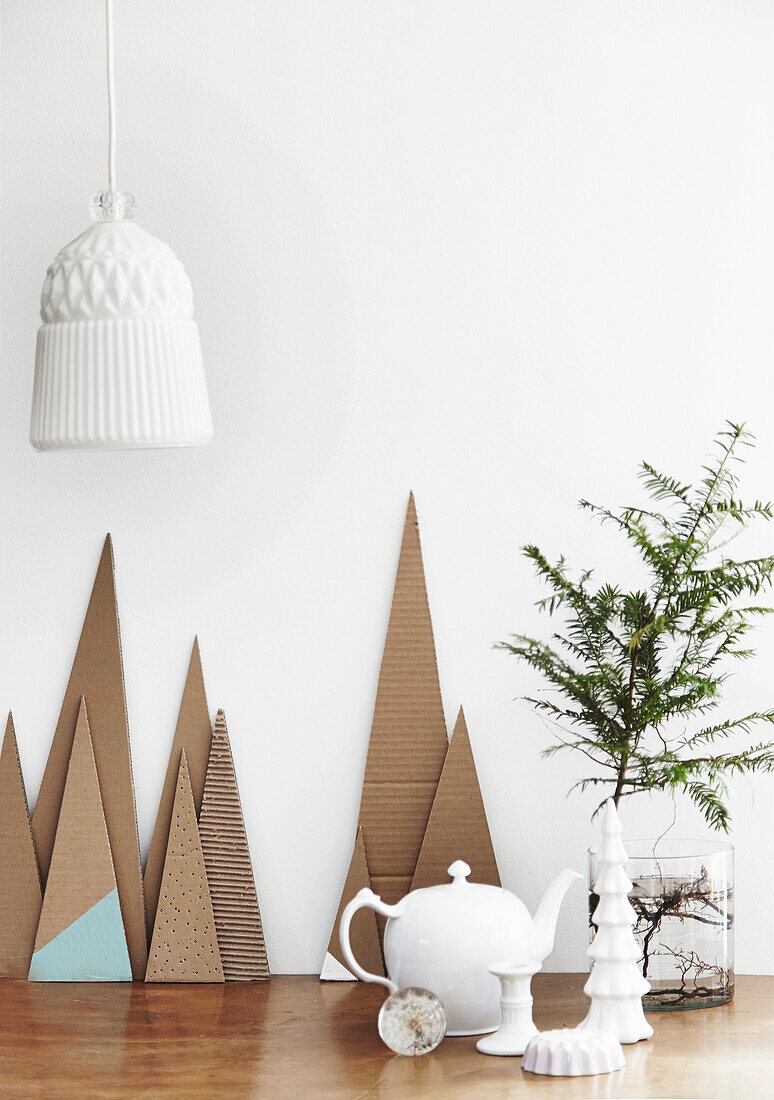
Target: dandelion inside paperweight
[(412, 1021)]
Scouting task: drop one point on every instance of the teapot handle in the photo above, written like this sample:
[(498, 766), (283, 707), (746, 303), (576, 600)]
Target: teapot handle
[(365, 899)]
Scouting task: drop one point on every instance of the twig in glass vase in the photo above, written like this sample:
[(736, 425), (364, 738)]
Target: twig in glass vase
[(633, 675), (665, 906)]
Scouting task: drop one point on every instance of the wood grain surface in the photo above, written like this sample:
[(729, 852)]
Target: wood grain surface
[(295, 1037)]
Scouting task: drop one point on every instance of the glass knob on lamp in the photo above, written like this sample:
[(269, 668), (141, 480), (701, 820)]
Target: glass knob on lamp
[(111, 206)]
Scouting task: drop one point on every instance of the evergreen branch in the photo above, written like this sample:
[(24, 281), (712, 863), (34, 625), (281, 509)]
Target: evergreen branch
[(627, 663), (724, 729)]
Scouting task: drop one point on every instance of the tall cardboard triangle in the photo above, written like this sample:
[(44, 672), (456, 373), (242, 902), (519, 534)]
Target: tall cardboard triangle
[(80, 935), (194, 734), (408, 735), (457, 828), (229, 869), (408, 740), (363, 933), (98, 674), (184, 947), (20, 893)]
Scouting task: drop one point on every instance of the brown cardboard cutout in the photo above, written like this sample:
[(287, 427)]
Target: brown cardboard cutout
[(408, 740), (98, 674), (20, 893), (184, 947), (194, 734), (81, 871), (363, 933), (457, 828), (229, 869), (408, 736)]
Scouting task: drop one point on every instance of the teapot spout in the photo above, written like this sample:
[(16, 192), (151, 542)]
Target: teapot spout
[(544, 922)]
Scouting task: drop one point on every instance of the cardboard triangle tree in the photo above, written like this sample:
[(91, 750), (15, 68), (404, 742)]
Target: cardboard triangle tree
[(408, 740), (457, 828), (229, 868), (20, 893), (363, 933), (98, 675), (616, 985), (80, 936), (184, 947), (194, 734)]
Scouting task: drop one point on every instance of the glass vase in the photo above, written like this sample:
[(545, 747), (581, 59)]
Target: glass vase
[(683, 895)]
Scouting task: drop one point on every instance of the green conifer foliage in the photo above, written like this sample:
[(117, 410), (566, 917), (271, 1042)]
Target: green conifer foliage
[(633, 676)]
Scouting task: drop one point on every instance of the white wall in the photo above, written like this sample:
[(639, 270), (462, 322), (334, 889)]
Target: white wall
[(495, 252)]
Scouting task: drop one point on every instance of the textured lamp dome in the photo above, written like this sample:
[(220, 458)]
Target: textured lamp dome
[(118, 362)]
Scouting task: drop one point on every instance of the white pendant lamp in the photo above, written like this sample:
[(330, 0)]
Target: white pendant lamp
[(118, 362)]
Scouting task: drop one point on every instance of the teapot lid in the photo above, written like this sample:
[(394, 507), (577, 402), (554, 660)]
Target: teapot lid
[(463, 901), (458, 872), (465, 893)]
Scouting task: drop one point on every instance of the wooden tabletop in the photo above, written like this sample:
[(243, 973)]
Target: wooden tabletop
[(296, 1037)]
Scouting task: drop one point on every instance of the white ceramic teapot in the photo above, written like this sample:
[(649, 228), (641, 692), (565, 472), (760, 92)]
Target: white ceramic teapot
[(445, 938)]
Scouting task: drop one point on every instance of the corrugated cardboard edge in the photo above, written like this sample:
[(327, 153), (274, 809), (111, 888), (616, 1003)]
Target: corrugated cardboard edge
[(20, 891), (458, 827), (81, 873), (408, 742), (229, 867), (184, 947), (193, 733), (98, 674), (363, 932)]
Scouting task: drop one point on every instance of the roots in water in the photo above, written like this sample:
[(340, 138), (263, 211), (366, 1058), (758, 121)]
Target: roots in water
[(681, 926)]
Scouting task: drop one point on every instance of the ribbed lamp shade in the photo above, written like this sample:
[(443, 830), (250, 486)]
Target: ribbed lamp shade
[(118, 362)]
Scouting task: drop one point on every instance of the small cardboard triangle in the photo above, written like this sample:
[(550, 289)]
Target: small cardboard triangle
[(98, 674), (184, 947), (408, 740), (80, 935), (20, 893), (229, 868), (457, 828), (194, 734), (363, 932)]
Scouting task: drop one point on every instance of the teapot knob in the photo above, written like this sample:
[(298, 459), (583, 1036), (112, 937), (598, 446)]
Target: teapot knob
[(459, 871)]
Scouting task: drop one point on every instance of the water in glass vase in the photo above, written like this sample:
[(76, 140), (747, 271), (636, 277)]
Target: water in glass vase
[(683, 897)]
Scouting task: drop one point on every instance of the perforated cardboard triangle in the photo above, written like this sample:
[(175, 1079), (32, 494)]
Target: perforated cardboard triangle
[(229, 869), (194, 734), (363, 933), (408, 736), (184, 947), (80, 935), (20, 893), (98, 674), (458, 827)]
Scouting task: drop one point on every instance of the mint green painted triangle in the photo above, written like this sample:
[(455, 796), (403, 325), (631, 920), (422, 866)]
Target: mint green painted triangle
[(91, 949)]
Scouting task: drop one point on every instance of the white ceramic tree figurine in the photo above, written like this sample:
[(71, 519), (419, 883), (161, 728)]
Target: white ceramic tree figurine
[(616, 985)]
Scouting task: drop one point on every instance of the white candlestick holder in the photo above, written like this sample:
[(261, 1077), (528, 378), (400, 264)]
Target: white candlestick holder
[(517, 1027)]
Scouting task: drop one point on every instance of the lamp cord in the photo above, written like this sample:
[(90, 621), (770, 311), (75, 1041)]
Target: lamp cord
[(111, 90)]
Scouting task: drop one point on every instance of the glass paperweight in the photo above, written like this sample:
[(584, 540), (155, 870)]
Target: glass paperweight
[(412, 1021), (111, 206)]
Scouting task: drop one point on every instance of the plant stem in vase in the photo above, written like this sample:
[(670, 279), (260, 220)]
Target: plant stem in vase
[(683, 897)]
